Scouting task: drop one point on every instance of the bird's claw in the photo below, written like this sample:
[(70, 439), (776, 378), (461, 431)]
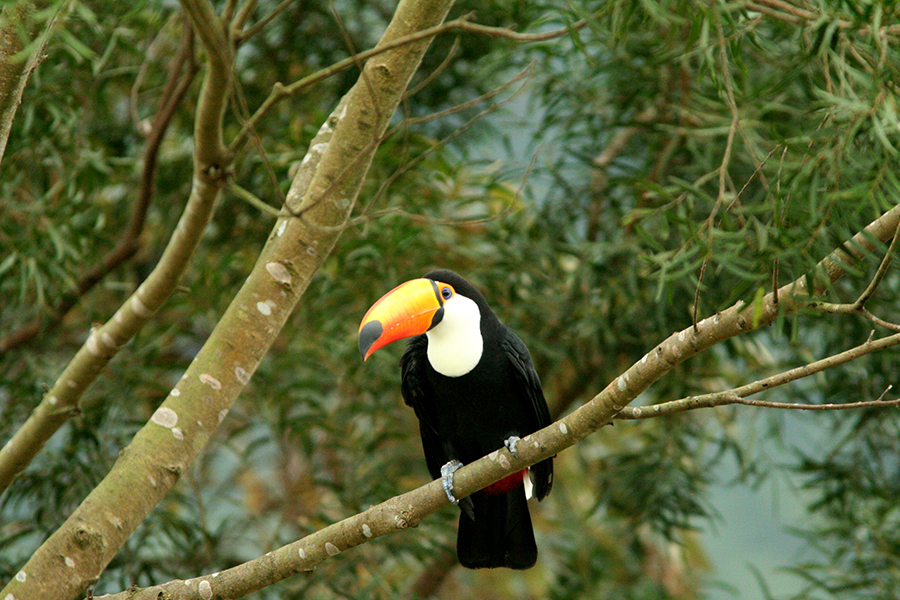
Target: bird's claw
[(447, 472), (511, 442)]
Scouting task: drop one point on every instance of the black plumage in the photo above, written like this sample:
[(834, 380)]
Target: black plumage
[(470, 416)]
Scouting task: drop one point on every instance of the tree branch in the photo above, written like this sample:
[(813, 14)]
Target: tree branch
[(17, 20), (738, 395)]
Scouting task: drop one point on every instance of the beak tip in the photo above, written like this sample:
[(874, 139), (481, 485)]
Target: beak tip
[(368, 335)]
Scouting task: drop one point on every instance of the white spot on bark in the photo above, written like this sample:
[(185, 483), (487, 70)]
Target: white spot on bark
[(325, 128), (563, 428), (205, 590), (210, 381), (10, 597), (175, 392), (622, 384), (115, 521), (281, 227), (120, 316), (264, 308), (242, 375), (222, 414), (152, 480), (139, 308), (69, 562), (279, 272), (301, 552), (319, 148), (367, 531), (178, 433), (681, 336), (53, 400), (21, 576), (108, 340), (493, 455), (643, 359), (165, 416), (331, 549), (92, 344), (72, 383), (504, 462)]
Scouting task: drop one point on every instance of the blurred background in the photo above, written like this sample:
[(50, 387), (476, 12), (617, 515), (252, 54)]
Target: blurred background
[(662, 140)]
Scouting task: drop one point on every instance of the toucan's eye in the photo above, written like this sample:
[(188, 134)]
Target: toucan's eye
[(446, 293)]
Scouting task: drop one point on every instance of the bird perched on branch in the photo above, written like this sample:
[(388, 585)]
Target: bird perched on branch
[(473, 387)]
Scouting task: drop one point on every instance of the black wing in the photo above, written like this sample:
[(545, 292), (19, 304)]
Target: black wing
[(417, 393), (530, 387)]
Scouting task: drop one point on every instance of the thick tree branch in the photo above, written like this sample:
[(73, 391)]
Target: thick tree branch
[(408, 509), (18, 23)]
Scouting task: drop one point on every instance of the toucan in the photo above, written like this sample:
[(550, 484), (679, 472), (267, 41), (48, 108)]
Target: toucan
[(474, 389)]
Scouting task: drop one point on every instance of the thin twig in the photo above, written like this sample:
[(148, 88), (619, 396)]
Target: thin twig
[(281, 91), (738, 395), (879, 273), (251, 199), (246, 34)]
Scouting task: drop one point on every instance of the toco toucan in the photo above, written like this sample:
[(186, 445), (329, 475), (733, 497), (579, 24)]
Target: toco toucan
[(473, 387)]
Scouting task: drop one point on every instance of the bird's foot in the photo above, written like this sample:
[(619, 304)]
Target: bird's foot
[(447, 472), (511, 442)]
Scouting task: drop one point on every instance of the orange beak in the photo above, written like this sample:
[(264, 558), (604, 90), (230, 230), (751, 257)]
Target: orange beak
[(411, 308)]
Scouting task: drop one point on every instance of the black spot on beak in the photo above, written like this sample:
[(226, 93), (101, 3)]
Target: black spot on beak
[(370, 332)]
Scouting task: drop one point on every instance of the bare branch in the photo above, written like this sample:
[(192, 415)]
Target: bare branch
[(879, 273), (245, 34), (738, 395)]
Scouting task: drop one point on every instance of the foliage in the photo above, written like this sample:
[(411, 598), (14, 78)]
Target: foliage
[(662, 148)]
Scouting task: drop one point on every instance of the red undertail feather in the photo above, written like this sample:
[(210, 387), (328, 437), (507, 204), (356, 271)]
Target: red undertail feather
[(507, 483)]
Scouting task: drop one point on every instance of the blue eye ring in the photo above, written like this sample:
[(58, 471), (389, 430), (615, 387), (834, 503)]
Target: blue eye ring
[(446, 293)]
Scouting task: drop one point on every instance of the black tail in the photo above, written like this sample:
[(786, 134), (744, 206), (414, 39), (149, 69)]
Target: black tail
[(501, 534)]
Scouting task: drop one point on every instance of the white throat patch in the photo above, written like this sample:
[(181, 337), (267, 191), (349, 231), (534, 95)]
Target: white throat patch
[(455, 344)]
